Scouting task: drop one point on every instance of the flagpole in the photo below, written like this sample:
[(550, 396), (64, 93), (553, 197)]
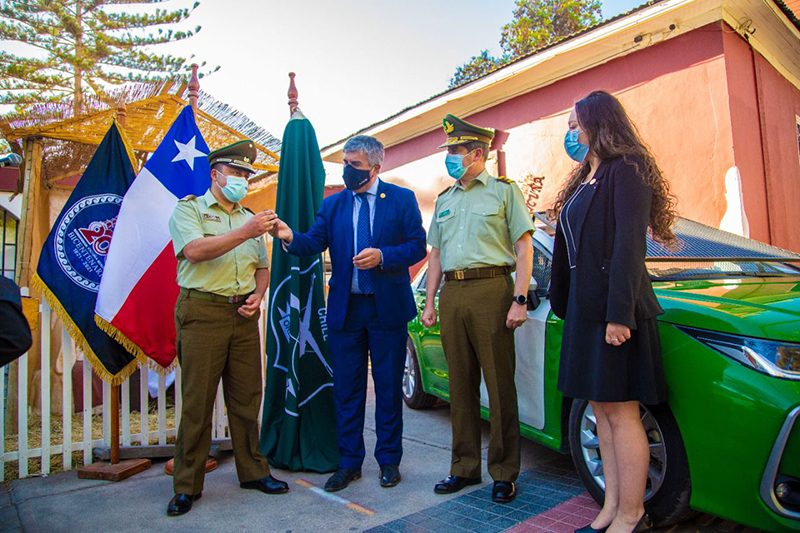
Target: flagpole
[(115, 424), (122, 117), (194, 87), (292, 95)]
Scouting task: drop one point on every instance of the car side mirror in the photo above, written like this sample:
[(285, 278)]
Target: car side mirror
[(533, 285), (533, 296)]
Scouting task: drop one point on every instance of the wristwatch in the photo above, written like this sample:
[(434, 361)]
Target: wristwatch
[(521, 299)]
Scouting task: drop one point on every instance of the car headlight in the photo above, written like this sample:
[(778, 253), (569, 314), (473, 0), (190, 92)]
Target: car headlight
[(774, 358)]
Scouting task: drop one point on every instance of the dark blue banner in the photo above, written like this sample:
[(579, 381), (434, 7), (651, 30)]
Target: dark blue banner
[(74, 255)]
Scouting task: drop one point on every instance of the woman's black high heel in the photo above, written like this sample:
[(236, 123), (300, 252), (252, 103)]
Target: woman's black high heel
[(590, 529), (644, 524)]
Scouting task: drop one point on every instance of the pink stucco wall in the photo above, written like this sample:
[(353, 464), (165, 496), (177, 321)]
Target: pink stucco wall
[(779, 105), (764, 109), (746, 129), (676, 92)]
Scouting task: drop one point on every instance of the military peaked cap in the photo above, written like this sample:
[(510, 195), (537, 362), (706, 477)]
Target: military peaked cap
[(461, 132), (241, 154)]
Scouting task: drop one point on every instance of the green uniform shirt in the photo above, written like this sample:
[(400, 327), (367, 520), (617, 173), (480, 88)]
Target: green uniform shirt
[(478, 226), (233, 273)]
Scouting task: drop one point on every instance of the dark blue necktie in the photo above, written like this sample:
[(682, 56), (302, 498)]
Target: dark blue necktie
[(364, 240)]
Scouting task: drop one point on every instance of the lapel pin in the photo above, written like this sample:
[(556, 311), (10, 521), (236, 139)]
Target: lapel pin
[(383, 195), (593, 181)]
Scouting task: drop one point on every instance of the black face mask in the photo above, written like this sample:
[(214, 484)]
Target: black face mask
[(354, 178)]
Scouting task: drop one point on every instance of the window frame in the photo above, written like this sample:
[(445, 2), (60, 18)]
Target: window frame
[(797, 122), (4, 269)]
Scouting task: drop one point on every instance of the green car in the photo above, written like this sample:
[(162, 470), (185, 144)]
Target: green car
[(726, 442)]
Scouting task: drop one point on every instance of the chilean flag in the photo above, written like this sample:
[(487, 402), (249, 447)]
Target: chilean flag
[(137, 294)]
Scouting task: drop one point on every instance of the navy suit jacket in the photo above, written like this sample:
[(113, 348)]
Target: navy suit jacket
[(396, 231)]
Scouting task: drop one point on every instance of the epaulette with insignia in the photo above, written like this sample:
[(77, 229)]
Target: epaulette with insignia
[(188, 198), (444, 191), (504, 179)]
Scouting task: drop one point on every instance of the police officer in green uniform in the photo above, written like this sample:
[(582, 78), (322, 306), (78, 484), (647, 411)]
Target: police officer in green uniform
[(480, 233), (223, 273)]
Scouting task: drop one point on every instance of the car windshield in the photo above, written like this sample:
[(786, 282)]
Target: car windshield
[(678, 270), (705, 252)]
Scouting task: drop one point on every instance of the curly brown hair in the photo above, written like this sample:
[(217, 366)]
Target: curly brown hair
[(612, 134)]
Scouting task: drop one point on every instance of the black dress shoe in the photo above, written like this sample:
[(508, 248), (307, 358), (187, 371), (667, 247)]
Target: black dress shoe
[(590, 529), (390, 476), (504, 492), (644, 524), (341, 479), (267, 485), (181, 504), (453, 484)]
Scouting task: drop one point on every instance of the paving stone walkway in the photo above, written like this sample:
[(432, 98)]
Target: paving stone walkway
[(551, 499)]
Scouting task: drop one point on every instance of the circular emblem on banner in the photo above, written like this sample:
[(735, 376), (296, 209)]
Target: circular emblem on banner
[(83, 236)]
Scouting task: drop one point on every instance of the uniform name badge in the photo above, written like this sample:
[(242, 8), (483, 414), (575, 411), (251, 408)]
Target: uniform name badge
[(444, 213), (213, 218)]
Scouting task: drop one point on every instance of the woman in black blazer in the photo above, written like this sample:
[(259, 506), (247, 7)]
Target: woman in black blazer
[(611, 352)]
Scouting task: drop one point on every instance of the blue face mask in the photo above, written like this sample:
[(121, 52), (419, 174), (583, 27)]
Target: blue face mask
[(575, 149), (455, 165), (355, 178), (235, 189)]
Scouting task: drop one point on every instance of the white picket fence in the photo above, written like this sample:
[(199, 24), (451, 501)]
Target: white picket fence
[(86, 445)]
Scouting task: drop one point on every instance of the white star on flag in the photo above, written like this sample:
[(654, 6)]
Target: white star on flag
[(187, 152)]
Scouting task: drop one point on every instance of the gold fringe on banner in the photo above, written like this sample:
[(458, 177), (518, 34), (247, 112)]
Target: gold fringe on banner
[(72, 329), (132, 347)]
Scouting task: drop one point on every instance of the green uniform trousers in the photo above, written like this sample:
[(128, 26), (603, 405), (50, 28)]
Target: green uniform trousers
[(474, 337), (214, 340)]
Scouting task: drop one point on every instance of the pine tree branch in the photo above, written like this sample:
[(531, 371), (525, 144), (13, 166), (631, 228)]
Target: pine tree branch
[(105, 47)]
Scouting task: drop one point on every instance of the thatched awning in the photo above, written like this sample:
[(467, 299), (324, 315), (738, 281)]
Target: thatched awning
[(149, 110)]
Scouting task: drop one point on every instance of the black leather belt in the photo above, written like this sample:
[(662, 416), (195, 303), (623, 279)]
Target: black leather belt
[(477, 273), (211, 297)]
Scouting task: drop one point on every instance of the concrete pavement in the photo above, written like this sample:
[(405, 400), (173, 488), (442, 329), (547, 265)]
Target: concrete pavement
[(551, 497)]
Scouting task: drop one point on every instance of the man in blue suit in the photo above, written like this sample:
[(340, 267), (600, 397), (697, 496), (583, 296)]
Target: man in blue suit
[(374, 232)]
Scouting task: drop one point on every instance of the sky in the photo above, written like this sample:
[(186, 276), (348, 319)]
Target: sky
[(357, 61)]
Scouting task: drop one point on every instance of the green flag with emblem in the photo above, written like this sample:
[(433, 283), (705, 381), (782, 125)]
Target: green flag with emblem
[(298, 429)]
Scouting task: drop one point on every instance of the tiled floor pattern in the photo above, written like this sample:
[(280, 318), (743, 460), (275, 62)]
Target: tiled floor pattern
[(581, 510), (563, 518), (551, 499), (539, 490)]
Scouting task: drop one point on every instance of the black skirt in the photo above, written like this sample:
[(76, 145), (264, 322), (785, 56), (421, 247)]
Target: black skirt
[(591, 369)]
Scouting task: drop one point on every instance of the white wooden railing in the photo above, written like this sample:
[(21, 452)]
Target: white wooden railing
[(47, 450)]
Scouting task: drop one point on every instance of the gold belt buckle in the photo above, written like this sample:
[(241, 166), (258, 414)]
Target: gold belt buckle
[(459, 274)]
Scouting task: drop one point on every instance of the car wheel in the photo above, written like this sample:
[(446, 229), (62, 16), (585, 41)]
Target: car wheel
[(413, 394), (668, 483)]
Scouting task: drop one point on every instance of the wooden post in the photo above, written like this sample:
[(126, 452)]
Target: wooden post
[(122, 113), (26, 242), (194, 87), (114, 424), (500, 138), (27, 255), (501, 163), (292, 94), (116, 470)]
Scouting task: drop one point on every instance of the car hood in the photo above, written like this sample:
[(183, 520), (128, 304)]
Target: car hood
[(759, 307)]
